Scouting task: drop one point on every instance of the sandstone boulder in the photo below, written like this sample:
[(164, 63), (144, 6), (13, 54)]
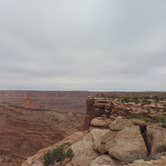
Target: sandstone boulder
[(100, 122), (120, 123), (97, 135), (83, 152), (102, 146), (128, 145), (157, 137)]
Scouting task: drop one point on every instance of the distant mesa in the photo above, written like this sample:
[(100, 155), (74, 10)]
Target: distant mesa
[(30, 104)]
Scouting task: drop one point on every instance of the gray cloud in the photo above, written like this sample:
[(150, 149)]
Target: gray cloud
[(86, 45)]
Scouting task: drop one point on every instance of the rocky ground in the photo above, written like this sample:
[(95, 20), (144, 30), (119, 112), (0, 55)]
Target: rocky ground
[(30, 121), (116, 142)]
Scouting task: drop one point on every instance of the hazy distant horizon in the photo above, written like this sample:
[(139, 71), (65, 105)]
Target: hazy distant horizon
[(109, 91), (95, 45)]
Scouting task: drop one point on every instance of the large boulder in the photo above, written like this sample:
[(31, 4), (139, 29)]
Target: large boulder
[(97, 135), (102, 146), (157, 138), (83, 152), (100, 122), (126, 145), (120, 123), (103, 160)]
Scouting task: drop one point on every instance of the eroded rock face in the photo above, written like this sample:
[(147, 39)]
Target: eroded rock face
[(128, 145), (157, 136), (83, 152), (123, 142), (102, 146), (97, 135)]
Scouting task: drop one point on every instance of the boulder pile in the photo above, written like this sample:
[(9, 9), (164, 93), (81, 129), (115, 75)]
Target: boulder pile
[(116, 142)]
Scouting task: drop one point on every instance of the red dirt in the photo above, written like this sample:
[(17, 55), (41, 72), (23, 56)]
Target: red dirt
[(23, 130)]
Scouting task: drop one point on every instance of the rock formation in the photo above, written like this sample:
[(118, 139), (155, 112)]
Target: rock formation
[(114, 146), (113, 141)]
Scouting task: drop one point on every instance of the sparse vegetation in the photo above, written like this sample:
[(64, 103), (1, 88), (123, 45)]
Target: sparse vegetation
[(134, 116), (160, 119), (58, 155), (146, 102)]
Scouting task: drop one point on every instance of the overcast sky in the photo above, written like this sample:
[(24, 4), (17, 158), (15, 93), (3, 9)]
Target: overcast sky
[(83, 44)]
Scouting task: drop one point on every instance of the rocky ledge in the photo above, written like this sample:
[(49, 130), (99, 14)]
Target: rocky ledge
[(119, 142)]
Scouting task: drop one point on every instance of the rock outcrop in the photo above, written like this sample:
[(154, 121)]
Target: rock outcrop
[(122, 142), (37, 159), (128, 145), (83, 151), (157, 137)]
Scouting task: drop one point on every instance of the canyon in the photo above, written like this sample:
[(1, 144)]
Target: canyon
[(33, 120)]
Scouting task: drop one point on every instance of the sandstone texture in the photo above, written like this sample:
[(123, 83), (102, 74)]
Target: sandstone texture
[(100, 122), (157, 135), (123, 143)]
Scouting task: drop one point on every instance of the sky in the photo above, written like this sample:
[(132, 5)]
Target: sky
[(110, 45)]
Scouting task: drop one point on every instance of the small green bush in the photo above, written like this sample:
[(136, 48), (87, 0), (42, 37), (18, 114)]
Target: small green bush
[(48, 158), (125, 100), (58, 155), (140, 117), (69, 153), (160, 119), (146, 102)]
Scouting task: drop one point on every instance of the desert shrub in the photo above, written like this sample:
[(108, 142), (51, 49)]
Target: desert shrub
[(48, 158), (125, 100), (69, 153), (156, 98), (160, 119), (146, 102), (59, 154), (147, 97), (140, 117), (135, 100)]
